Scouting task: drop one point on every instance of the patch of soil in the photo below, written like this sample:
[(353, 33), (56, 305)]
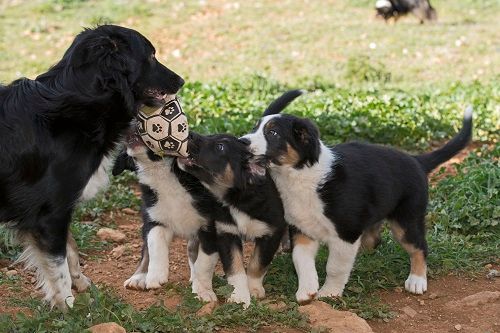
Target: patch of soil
[(433, 312)]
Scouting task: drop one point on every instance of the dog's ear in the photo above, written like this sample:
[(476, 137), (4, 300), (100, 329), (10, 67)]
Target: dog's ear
[(282, 102), (105, 57), (123, 162), (306, 136)]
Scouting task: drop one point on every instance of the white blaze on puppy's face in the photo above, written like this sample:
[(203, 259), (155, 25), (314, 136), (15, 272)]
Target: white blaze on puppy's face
[(258, 142)]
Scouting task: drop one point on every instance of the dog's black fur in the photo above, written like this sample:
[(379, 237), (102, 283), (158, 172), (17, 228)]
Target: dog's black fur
[(422, 9), (55, 131), (163, 183), (358, 185), (224, 164)]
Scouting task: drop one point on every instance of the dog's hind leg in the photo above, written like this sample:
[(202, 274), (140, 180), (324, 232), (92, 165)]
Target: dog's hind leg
[(263, 254), (79, 281), (371, 238), (411, 235), (138, 279)]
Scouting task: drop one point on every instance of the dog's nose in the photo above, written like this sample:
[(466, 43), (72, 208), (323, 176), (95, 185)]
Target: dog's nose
[(245, 141)]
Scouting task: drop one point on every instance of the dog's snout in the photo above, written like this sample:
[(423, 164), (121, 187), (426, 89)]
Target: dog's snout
[(245, 141)]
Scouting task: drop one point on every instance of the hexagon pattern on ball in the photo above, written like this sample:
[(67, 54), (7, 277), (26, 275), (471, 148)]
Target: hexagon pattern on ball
[(165, 130)]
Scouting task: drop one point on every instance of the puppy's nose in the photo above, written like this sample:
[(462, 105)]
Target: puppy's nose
[(245, 141)]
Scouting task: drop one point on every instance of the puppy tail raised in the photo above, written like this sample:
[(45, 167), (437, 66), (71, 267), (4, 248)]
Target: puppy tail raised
[(430, 161), (282, 102)]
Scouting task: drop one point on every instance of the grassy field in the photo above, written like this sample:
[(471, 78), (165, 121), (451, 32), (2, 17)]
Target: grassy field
[(404, 85)]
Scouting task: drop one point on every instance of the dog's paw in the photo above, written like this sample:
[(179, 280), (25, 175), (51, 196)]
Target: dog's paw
[(136, 281), (416, 284), (240, 296), (256, 289), (329, 292), (307, 292), (155, 280), (81, 283), (62, 302), (206, 296)]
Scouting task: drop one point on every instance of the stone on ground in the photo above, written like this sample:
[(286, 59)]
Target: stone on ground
[(107, 328), (109, 234)]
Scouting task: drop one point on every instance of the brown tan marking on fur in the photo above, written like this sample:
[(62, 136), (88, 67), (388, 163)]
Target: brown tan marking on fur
[(417, 256), (237, 265), (255, 269), (371, 237), (227, 177), (301, 239), (291, 157)]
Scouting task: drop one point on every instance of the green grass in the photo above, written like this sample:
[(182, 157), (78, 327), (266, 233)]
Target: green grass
[(409, 90)]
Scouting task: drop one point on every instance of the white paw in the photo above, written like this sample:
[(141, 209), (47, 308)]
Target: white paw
[(155, 280), (136, 281), (240, 296), (329, 292), (206, 296), (307, 292), (416, 284), (256, 288), (81, 283)]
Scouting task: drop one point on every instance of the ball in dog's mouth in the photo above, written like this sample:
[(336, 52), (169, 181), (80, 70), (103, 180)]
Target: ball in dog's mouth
[(164, 129)]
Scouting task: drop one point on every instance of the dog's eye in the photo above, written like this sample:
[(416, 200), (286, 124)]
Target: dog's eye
[(273, 133), (220, 147)]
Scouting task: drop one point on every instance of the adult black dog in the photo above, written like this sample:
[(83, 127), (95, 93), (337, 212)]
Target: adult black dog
[(422, 9), (56, 133)]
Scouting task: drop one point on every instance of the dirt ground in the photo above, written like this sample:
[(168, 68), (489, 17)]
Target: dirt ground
[(432, 312)]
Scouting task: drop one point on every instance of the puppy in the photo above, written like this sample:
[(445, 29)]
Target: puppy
[(422, 9), (226, 167), (340, 195), (57, 133), (174, 203)]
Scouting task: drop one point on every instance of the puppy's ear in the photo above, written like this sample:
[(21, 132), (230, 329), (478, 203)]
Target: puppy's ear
[(123, 162), (282, 102), (306, 136)]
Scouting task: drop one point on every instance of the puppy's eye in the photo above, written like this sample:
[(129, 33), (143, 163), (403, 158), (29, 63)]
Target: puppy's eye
[(220, 147), (273, 133)]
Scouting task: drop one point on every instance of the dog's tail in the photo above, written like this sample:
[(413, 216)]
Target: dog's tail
[(430, 161), (282, 102)]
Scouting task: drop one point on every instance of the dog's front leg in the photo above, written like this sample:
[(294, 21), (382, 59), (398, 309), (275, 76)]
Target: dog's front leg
[(304, 251), (78, 280)]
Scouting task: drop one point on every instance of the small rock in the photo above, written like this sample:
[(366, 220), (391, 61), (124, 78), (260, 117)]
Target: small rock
[(118, 251), (111, 234), (488, 266), (458, 327), (410, 312), (135, 246), (493, 273), (482, 297), (206, 309), (433, 296), (107, 328), (398, 289), (421, 302), (323, 315), (11, 273), (129, 211), (33, 279)]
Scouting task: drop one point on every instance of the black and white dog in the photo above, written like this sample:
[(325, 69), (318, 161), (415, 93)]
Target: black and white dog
[(340, 196), (56, 134), (422, 9), (241, 182), (174, 203)]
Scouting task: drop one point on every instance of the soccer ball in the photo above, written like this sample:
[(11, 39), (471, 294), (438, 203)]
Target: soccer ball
[(164, 130)]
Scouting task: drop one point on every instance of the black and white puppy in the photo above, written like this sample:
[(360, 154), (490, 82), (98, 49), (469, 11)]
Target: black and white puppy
[(340, 196), (174, 203), (422, 9), (241, 182)]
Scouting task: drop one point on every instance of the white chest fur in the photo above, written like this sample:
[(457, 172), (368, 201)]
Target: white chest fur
[(174, 208), (247, 226), (298, 189)]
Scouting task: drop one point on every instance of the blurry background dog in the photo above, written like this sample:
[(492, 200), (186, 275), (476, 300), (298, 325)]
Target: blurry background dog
[(422, 9)]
